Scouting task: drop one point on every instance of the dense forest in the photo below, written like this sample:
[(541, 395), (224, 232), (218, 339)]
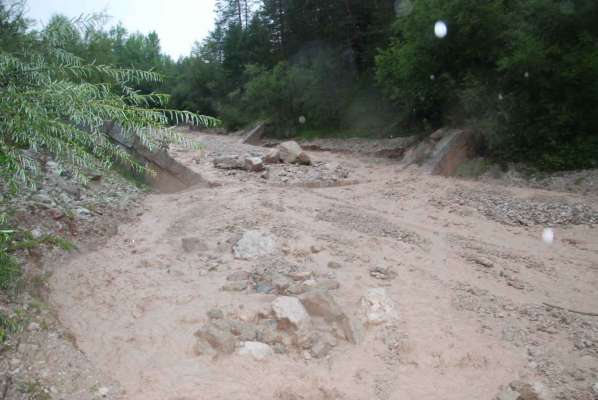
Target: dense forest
[(523, 74)]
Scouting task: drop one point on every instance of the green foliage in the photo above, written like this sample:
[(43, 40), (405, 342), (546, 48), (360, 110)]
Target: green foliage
[(523, 73), (55, 101), (10, 272), (10, 325)]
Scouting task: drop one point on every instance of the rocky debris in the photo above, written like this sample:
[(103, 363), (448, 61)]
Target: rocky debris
[(378, 307), (290, 309), (237, 286), (509, 210), (228, 162), (290, 152), (215, 313), (367, 223), (384, 274), (258, 350), (254, 136), (220, 340), (518, 390), (254, 244), (192, 245), (239, 276), (334, 265)]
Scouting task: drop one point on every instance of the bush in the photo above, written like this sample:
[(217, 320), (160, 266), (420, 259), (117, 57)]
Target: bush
[(522, 72)]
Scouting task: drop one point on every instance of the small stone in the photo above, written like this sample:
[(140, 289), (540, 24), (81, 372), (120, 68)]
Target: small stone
[(334, 265), (595, 388), (220, 339), (484, 262), (215, 313), (264, 288), (290, 309), (259, 351), (280, 282), (507, 394), (300, 275), (33, 327), (383, 273), (237, 286), (103, 391), (83, 213), (316, 249)]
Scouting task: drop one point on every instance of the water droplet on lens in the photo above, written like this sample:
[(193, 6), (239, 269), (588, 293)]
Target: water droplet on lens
[(526, 75), (440, 29), (548, 235), (500, 96), (432, 77), (302, 120)]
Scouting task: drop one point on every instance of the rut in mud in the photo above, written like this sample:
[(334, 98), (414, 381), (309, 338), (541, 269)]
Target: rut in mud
[(468, 289)]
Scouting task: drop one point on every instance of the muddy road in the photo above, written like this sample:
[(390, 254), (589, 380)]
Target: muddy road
[(462, 264)]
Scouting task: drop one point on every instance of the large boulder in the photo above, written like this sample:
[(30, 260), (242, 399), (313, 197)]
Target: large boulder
[(290, 152), (254, 164), (273, 156)]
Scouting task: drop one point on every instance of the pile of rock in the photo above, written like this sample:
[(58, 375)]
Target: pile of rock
[(247, 163), (277, 281), (288, 152), (309, 325), (507, 209)]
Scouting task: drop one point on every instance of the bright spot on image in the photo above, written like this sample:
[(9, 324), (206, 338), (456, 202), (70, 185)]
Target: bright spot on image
[(440, 29), (432, 77), (500, 97), (302, 120), (548, 235), (526, 75), (403, 7)]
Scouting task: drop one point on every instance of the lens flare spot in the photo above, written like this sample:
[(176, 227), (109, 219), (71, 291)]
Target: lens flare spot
[(302, 120), (548, 235)]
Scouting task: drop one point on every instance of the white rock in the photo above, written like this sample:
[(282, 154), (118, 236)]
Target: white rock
[(378, 307), (259, 351), (291, 309), (103, 391), (254, 164), (254, 244), (595, 388)]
